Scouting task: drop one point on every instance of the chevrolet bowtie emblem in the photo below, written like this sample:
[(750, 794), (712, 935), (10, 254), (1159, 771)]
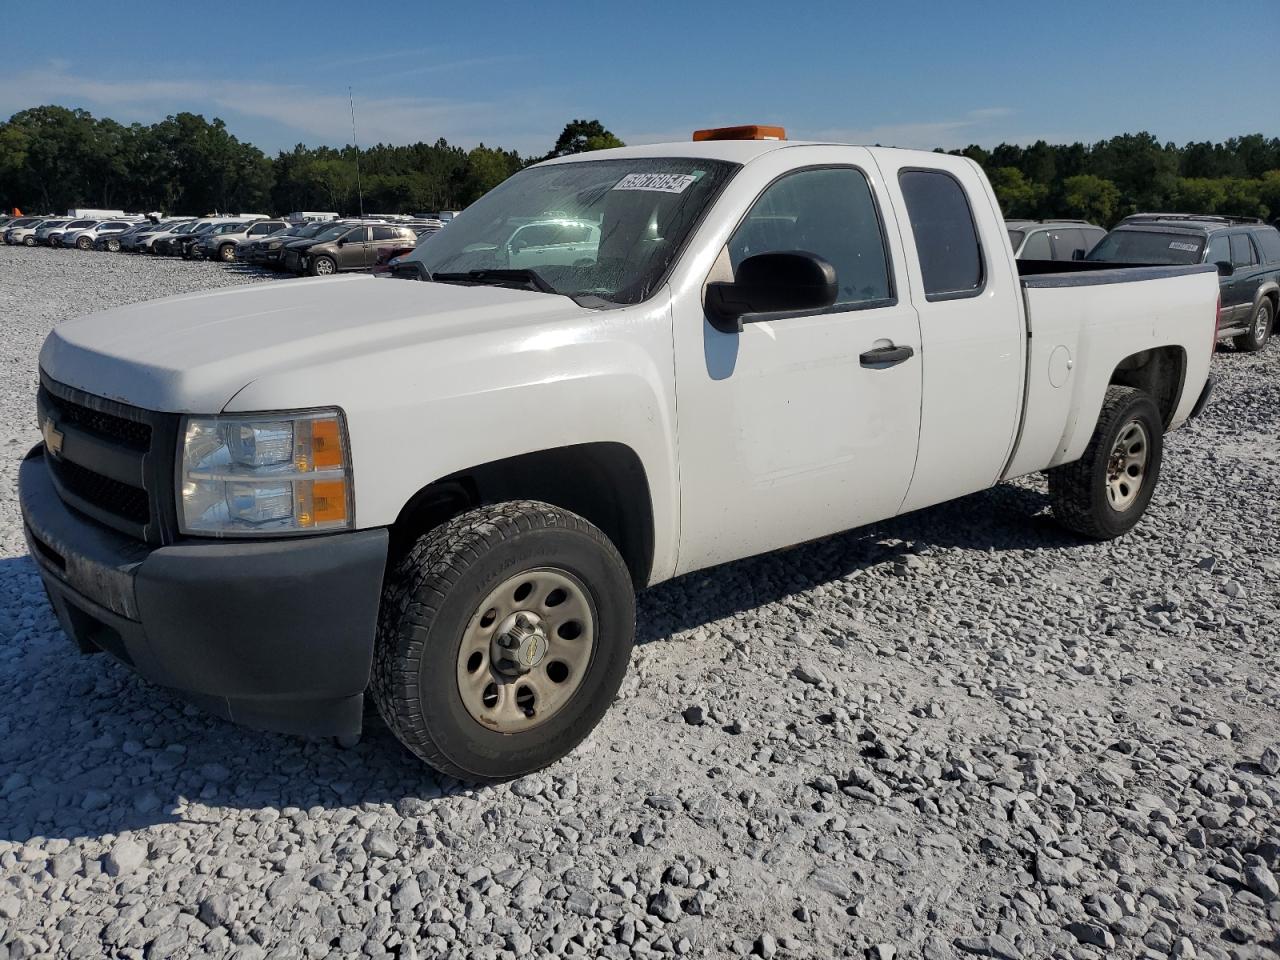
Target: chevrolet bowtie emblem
[(52, 437)]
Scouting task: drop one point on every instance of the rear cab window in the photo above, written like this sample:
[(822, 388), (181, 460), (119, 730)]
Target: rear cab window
[(945, 235)]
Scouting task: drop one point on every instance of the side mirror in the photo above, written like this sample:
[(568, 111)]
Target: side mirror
[(771, 283), (1225, 269)]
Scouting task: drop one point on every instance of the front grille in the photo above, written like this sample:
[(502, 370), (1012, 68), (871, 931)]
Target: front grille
[(115, 462), (131, 433), (103, 492)]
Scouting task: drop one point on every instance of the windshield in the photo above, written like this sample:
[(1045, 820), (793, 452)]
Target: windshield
[(596, 228), (78, 224), (1148, 246), (332, 233), (185, 228)]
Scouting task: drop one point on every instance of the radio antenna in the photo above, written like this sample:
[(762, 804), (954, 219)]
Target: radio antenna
[(359, 190)]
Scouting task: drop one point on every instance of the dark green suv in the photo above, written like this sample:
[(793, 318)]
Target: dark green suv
[(1247, 253)]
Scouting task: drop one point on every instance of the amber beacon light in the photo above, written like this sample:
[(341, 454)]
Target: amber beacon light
[(749, 132)]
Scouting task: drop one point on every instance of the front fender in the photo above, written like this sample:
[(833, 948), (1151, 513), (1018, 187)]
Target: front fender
[(423, 411)]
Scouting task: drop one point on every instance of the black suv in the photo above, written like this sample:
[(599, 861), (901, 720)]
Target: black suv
[(1247, 253)]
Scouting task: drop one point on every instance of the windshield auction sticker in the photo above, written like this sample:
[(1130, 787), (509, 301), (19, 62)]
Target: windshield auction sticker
[(1188, 247), (661, 182)]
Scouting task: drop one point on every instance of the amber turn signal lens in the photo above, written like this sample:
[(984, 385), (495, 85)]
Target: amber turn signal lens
[(326, 444)]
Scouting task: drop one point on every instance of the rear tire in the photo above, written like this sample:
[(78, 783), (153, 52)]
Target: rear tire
[(442, 676), (1105, 493), (1259, 332)]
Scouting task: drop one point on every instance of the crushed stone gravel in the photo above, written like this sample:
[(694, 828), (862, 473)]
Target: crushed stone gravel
[(959, 733)]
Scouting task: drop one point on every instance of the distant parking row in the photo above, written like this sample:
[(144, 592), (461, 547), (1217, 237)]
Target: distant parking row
[(316, 247)]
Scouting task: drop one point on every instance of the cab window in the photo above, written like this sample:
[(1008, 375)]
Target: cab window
[(945, 234), (829, 212)]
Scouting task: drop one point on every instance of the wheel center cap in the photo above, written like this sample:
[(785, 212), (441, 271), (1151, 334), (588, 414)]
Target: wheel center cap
[(520, 643)]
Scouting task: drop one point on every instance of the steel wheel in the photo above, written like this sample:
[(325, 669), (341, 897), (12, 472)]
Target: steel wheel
[(526, 650), (1128, 465)]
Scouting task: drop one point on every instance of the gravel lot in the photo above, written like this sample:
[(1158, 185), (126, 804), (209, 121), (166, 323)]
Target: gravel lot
[(959, 733)]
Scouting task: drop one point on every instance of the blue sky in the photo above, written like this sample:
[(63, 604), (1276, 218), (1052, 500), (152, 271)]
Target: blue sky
[(916, 74)]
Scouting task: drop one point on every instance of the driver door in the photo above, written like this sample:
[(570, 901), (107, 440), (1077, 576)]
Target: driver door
[(790, 429)]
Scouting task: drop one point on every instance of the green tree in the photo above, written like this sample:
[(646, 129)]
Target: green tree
[(579, 136), (1091, 198), (1018, 196), (1269, 192)]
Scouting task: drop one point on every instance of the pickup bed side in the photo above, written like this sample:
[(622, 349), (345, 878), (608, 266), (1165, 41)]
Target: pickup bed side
[(1090, 329)]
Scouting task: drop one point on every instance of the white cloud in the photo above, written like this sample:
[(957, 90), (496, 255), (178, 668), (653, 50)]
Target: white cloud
[(309, 114), (923, 134)]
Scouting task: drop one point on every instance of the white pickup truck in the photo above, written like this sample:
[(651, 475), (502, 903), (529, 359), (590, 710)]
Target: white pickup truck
[(279, 498)]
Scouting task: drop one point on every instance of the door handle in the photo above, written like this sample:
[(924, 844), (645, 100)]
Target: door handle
[(886, 356)]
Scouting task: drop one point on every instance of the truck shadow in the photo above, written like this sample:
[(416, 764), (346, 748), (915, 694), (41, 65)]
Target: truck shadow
[(87, 748), (1006, 517)]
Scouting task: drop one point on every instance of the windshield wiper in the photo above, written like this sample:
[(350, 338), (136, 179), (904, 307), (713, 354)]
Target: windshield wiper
[(498, 277)]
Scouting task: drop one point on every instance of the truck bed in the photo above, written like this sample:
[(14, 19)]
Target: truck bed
[(1092, 324)]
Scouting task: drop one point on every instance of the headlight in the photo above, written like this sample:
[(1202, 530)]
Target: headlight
[(269, 475)]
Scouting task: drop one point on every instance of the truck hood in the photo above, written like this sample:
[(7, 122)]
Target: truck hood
[(193, 353)]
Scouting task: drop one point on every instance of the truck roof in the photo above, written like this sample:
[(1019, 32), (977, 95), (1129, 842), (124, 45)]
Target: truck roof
[(734, 151)]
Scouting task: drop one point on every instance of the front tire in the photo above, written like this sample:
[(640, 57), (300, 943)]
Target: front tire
[(227, 252), (503, 637), (113, 246), (1105, 493), (84, 243), (1259, 332), (323, 267), (28, 241)]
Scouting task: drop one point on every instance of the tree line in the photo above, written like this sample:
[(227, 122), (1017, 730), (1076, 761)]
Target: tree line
[(1111, 179), (54, 158)]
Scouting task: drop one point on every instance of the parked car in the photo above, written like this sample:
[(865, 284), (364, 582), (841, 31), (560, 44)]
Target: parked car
[(225, 244), (173, 244), (50, 226), (84, 239), (269, 251), (22, 231), (346, 247), (1053, 239), (54, 237), (386, 256), (146, 242), (1246, 253), (444, 494), (113, 242), (195, 249), (134, 240)]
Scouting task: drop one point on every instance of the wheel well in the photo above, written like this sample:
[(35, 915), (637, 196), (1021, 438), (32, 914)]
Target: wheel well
[(1160, 372), (604, 483)]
